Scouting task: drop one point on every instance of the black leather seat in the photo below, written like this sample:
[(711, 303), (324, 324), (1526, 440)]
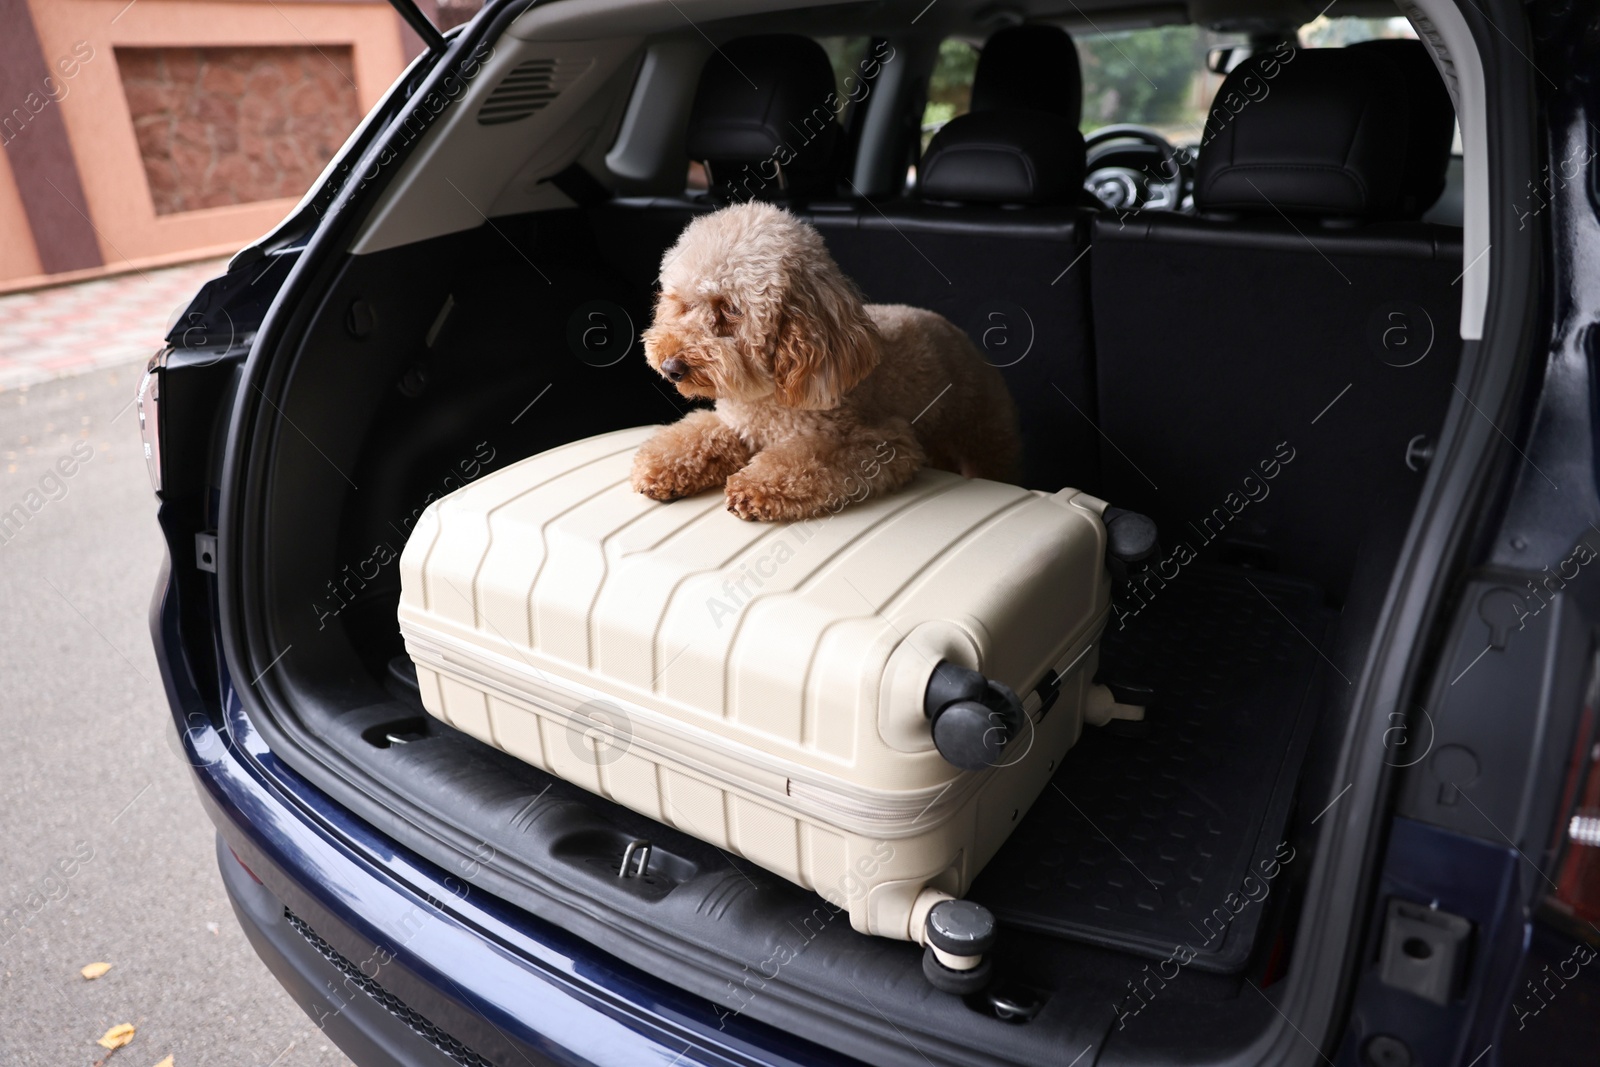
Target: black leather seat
[(1431, 121), (995, 242), (1029, 68), (1295, 317), (775, 140), (1001, 254), (1018, 143)]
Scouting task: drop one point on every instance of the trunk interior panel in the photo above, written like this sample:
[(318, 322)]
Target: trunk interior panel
[(432, 364), (1169, 832)]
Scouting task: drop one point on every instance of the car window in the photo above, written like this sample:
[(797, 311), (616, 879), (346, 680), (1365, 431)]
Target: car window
[(1160, 77), (849, 56), (1152, 77), (949, 87), (1325, 32)]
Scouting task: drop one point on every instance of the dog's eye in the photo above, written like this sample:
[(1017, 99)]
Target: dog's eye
[(724, 314)]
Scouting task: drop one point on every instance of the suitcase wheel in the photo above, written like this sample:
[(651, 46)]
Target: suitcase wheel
[(958, 933), (972, 718), (947, 980), (1131, 538)]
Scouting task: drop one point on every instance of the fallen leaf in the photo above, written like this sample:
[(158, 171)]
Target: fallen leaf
[(165, 1063), (117, 1036), (95, 970)]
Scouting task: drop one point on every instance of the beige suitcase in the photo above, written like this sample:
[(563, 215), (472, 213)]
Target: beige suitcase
[(798, 695)]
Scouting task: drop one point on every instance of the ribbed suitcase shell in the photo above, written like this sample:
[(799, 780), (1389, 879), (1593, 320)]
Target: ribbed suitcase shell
[(760, 686)]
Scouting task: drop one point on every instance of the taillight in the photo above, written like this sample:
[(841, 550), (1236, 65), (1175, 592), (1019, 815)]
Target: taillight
[(149, 398), (1577, 870)]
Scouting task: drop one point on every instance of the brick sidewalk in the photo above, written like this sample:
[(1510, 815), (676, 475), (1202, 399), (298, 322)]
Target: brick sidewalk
[(68, 329)]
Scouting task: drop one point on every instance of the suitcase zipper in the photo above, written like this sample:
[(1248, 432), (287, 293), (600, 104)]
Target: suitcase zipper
[(871, 812)]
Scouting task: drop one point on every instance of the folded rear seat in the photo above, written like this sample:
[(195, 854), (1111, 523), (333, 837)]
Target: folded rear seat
[(1273, 371), (995, 240)]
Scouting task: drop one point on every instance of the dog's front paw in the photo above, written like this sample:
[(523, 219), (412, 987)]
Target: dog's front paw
[(668, 477), (653, 487), (755, 505), (658, 478), (759, 501)]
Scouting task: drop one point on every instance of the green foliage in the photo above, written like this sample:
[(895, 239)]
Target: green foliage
[(1337, 32), (950, 87), (1144, 76), (845, 55)]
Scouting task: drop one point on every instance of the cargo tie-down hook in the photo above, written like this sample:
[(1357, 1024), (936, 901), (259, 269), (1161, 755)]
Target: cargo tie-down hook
[(637, 847)]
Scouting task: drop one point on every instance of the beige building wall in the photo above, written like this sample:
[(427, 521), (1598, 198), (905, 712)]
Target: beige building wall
[(18, 257), (100, 124)]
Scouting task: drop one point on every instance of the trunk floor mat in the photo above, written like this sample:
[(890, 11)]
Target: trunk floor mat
[(1160, 835)]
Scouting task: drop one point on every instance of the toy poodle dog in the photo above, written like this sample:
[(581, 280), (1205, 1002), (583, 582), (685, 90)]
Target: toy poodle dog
[(821, 399)]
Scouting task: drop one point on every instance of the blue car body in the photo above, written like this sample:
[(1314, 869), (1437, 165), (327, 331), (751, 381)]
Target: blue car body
[(401, 961)]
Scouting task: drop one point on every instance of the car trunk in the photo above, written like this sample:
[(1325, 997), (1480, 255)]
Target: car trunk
[(429, 365), (1163, 869)]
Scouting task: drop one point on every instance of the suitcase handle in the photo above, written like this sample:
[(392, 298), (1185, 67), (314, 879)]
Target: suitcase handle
[(972, 718)]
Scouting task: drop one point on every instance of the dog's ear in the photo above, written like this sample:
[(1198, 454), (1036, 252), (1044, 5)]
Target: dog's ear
[(826, 341)]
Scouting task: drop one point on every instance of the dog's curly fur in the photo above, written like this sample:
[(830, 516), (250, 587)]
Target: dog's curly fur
[(820, 398)]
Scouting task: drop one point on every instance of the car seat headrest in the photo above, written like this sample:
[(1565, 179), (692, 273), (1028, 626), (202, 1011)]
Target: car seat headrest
[(1010, 157), (1318, 131), (762, 121), (1433, 122), (1029, 68)]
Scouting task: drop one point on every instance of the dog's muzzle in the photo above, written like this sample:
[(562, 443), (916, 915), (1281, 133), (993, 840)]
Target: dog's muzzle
[(674, 369)]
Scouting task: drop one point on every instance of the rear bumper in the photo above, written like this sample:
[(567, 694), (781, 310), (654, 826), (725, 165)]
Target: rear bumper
[(331, 991), (403, 963), (386, 951)]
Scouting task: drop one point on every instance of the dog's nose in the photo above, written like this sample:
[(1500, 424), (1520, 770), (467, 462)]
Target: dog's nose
[(674, 368)]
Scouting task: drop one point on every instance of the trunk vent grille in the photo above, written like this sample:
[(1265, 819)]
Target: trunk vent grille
[(530, 87)]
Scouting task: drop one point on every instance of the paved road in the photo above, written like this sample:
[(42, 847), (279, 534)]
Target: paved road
[(43, 332), (103, 844)]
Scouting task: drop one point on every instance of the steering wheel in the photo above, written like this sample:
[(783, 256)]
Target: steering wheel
[(1123, 188)]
